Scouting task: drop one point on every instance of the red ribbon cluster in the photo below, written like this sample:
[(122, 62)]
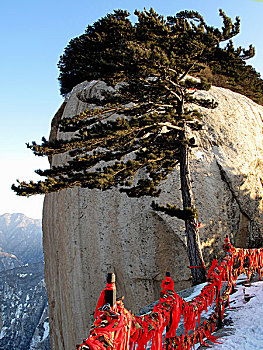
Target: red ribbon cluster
[(100, 303), (115, 328)]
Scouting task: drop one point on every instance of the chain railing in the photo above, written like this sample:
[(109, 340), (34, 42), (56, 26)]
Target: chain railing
[(116, 328)]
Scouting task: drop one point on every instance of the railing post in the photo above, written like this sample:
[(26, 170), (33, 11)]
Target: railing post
[(219, 307), (168, 274), (220, 321), (110, 295)]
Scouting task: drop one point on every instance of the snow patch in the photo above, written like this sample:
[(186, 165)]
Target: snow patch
[(46, 330), (199, 155), (18, 310), (247, 319), (3, 332)]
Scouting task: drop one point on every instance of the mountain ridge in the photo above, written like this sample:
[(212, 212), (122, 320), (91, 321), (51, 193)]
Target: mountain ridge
[(24, 315), (20, 240)]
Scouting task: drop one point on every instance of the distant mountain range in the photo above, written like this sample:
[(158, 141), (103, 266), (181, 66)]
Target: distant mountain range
[(24, 323), (20, 241)]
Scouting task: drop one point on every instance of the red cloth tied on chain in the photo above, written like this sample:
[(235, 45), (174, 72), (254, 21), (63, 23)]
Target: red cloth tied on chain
[(180, 342), (101, 301), (93, 344), (189, 317), (211, 272), (200, 332), (121, 330), (157, 340), (260, 262), (176, 310), (122, 335), (113, 326), (208, 335), (145, 337), (167, 284), (153, 324), (175, 316)]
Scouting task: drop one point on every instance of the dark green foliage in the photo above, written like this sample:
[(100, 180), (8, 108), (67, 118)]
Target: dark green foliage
[(139, 131), (150, 137), (106, 47), (151, 59), (227, 68), (86, 56), (190, 214), (157, 152)]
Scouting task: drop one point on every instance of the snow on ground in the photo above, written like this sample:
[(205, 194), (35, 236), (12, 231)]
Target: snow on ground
[(46, 328), (244, 319)]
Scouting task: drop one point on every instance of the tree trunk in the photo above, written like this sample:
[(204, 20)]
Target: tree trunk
[(193, 243)]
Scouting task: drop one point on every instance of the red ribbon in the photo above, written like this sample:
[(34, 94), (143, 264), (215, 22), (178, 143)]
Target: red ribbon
[(121, 330), (101, 301)]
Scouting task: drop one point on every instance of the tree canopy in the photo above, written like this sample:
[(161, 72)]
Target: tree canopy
[(86, 56), (141, 122), (152, 67), (150, 61)]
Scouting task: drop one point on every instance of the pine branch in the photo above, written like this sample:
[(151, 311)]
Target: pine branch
[(187, 214)]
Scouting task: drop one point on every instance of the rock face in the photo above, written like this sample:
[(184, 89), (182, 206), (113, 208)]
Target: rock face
[(89, 233)]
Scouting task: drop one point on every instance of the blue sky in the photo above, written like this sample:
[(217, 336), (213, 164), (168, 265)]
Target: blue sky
[(33, 36)]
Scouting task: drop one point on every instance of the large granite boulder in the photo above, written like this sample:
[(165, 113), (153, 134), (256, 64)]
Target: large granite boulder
[(88, 233)]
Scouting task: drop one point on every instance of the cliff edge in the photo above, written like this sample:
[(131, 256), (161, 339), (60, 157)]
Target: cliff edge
[(88, 233)]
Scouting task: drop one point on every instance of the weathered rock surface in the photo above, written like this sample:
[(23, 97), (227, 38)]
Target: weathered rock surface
[(89, 233)]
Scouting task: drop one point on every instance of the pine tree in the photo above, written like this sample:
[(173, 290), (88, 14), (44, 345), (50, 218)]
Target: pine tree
[(143, 124)]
